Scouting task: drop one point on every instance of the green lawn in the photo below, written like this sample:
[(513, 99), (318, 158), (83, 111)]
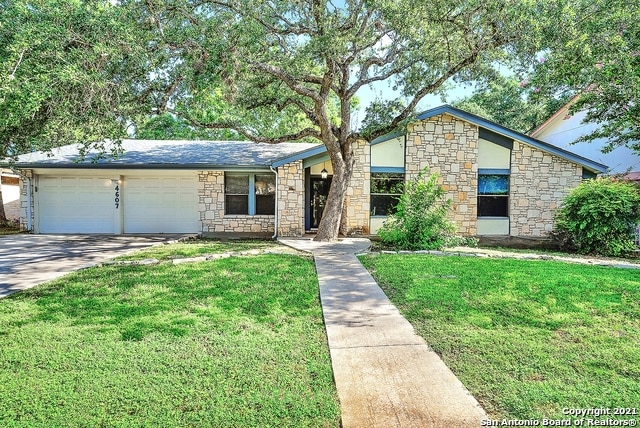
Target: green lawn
[(236, 342), (527, 338)]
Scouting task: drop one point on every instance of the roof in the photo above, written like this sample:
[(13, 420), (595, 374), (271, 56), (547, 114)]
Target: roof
[(561, 111), (502, 130), (170, 154)]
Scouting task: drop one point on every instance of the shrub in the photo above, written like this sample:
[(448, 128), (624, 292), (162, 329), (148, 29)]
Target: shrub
[(599, 216), (420, 222)]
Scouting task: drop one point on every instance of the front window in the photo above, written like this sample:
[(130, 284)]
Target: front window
[(236, 190), (265, 191), (493, 195), (386, 189), (250, 194)]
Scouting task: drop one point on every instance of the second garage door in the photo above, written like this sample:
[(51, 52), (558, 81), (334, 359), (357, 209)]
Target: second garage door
[(161, 205)]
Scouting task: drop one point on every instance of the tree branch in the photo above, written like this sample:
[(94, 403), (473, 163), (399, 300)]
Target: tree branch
[(307, 132)]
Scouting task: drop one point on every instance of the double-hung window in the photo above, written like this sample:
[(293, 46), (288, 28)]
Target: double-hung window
[(249, 194), (386, 189), (493, 194)]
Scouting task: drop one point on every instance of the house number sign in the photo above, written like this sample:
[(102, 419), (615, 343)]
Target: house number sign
[(117, 198)]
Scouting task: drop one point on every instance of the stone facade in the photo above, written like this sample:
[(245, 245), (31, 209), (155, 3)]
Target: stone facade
[(448, 146), (212, 214), (290, 207), (24, 224), (357, 201), (538, 182)]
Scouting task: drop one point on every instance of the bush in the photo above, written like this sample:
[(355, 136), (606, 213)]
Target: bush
[(420, 222), (600, 216)]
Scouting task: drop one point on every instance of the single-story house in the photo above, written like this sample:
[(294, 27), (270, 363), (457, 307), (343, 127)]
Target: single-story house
[(501, 182)]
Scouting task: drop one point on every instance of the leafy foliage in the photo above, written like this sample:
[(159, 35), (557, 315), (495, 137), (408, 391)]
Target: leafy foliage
[(70, 72), (599, 216), (505, 101), (420, 221), (168, 127), (595, 53)]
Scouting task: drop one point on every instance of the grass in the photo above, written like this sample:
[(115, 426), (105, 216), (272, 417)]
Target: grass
[(527, 338), (236, 342), (9, 228), (199, 248)]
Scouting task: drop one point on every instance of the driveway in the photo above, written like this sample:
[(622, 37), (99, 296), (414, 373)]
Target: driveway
[(28, 260)]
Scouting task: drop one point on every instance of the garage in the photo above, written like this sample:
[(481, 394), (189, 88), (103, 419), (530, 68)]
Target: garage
[(114, 203), (75, 204), (160, 204)]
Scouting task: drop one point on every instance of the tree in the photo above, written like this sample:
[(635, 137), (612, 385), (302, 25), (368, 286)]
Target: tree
[(596, 53), (74, 71), (273, 61), (504, 100), (168, 127)]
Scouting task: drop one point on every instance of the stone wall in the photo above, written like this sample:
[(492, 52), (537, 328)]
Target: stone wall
[(538, 182), (24, 225), (290, 207), (357, 201), (211, 208), (448, 146)]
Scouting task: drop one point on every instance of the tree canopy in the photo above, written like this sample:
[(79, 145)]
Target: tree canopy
[(270, 71), (595, 53), (506, 101)]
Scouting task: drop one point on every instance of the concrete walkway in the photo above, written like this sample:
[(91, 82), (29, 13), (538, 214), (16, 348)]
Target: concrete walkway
[(386, 375)]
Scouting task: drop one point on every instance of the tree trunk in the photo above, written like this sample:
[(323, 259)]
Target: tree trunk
[(3, 215), (330, 222)]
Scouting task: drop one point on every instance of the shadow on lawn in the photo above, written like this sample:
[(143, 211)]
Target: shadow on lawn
[(139, 300)]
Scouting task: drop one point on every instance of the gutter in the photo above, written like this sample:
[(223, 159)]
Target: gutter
[(275, 221)]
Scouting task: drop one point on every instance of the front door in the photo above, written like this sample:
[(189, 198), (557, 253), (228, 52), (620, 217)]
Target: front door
[(319, 192)]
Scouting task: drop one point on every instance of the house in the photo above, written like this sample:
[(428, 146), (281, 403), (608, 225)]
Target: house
[(563, 128), (501, 182), (9, 185)]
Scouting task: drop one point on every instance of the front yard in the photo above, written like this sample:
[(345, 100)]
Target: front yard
[(527, 338), (236, 342)]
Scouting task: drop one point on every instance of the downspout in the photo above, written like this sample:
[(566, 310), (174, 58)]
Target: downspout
[(275, 222)]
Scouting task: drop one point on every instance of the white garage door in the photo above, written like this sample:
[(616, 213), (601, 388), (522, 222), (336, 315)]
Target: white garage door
[(76, 205), (161, 205)]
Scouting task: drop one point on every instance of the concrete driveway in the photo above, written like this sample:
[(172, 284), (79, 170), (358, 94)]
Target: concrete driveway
[(28, 260)]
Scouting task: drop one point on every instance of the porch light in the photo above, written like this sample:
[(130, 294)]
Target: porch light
[(324, 173)]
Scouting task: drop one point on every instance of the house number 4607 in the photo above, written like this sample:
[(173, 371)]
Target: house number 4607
[(117, 198)]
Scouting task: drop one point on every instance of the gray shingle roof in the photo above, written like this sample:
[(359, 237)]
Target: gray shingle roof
[(170, 154)]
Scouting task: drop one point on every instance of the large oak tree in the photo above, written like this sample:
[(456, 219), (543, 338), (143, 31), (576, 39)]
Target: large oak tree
[(291, 70), (271, 71)]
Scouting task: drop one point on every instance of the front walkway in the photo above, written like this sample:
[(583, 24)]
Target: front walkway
[(386, 375)]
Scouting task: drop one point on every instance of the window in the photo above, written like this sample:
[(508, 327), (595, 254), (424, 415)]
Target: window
[(386, 189), (236, 191), (265, 190), (250, 194), (493, 195)]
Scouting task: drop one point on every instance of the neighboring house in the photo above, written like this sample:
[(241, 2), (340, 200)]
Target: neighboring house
[(563, 128), (10, 194), (501, 182)]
